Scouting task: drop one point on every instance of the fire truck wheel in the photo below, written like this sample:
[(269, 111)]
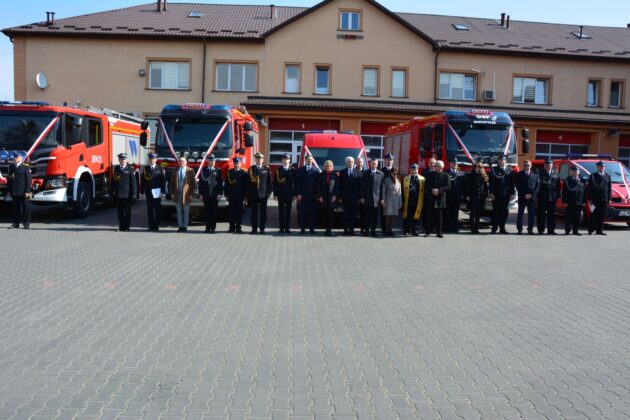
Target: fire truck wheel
[(83, 204)]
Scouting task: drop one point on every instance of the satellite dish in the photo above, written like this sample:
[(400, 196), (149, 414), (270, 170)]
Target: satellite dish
[(41, 80)]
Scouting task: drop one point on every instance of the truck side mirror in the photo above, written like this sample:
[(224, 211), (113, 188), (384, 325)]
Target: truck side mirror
[(144, 125), (525, 142), (249, 140), (143, 139), (248, 126)]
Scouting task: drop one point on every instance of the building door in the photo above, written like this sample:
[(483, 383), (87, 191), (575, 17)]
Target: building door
[(557, 144)]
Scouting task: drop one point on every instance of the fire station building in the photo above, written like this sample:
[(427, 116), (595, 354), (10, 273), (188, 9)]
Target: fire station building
[(341, 64)]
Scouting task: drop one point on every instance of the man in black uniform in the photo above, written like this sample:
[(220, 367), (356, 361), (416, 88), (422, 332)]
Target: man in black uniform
[(372, 195), (501, 192), (438, 184), (547, 195), (453, 197), (600, 194), (153, 188), (306, 189), (19, 188), (349, 193), (124, 189), (527, 185), (573, 196), (210, 190), (236, 193), (259, 193), (284, 191)]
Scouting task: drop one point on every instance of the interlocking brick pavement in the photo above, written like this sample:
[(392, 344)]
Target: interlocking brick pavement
[(96, 324)]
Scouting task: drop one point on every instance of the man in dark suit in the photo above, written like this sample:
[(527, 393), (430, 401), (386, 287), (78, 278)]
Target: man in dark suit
[(360, 168), (453, 197), (527, 185), (284, 191), (124, 189), (210, 191), (372, 194), (19, 188), (573, 196), (236, 193), (547, 195), (306, 194), (501, 191), (600, 194), (349, 194), (425, 210), (437, 186), (153, 188), (388, 167)]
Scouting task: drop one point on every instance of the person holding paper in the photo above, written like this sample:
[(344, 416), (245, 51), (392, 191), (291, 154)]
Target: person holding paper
[(153, 188)]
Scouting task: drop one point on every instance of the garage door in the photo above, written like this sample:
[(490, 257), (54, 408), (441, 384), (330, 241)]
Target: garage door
[(286, 134), (557, 144)]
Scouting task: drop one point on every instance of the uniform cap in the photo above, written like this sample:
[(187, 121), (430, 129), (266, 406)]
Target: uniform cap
[(414, 166), (152, 156), (501, 156), (454, 160), (574, 168), (259, 155), (286, 156), (210, 157), (600, 163), (236, 160), (548, 161), (389, 156), (122, 155)]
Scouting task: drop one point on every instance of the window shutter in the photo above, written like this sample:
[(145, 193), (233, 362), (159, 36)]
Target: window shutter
[(518, 90), (250, 77), (236, 77), (445, 86), (398, 83), (183, 75), (457, 86), (542, 93), (170, 75), (470, 88), (292, 79), (223, 76), (155, 75), (529, 90), (370, 82)]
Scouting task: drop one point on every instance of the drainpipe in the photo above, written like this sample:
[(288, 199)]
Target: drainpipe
[(203, 73), (436, 75)]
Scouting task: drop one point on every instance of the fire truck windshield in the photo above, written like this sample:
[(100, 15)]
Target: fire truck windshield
[(19, 131), (614, 169), (195, 135), (337, 155), (484, 141)]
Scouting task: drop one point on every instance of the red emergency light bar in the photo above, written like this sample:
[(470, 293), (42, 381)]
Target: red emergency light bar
[(479, 112)]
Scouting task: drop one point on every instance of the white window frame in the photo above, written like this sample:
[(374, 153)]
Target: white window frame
[(174, 74), (405, 73), (371, 90), (537, 83), (354, 16), (230, 87), (327, 90), (298, 82), (621, 84), (381, 148), (296, 146), (466, 79), (593, 93), (550, 155)]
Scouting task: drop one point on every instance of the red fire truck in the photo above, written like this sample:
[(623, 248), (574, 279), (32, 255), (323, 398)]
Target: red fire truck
[(332, 145), (466, 135), (195, 130), (70, 150)]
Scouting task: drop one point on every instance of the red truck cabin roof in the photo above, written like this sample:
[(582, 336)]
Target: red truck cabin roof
[(337, 140), (334, 146)]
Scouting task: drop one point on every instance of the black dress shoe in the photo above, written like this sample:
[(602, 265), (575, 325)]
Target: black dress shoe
[(551, 233), (504, 232), (262, 231), (426, 235), (328, 233), (14, 227), (302, 231), (27, 227), (439, 235), (530, 232), (576, 233), (601, 233), (287, 231), (312, 232)]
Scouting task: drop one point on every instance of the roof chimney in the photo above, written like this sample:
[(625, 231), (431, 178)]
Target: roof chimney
[(273, 11), (502, 19), (507, 22), (159, 5), (50, 18)]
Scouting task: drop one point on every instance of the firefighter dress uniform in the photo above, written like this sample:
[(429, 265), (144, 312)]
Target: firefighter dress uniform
[(124, 190), (259, 193), (501, 187), (19, 186), (153, 178), (210, 188), (236, 193), (284, 191), (574, 196)]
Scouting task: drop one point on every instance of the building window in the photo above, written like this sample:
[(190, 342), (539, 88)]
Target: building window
[(530, 90), (399, 83), (292, 78), (375, 146), (593, 93), (624, 156), (616, 94), (284, 141), (322, 80), (458, 86), (370, 81), (237, 77), (350, 20), (558, 150), (169, 75)]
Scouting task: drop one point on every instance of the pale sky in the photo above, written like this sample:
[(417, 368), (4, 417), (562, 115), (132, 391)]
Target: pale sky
[(578, 12)]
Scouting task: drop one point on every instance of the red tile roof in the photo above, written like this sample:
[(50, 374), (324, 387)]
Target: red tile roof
[(254, 23)]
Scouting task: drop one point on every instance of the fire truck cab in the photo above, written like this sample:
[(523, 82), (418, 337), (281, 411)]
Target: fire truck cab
[(71, 151), (333, 145), (195, 130), (619, 209)]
